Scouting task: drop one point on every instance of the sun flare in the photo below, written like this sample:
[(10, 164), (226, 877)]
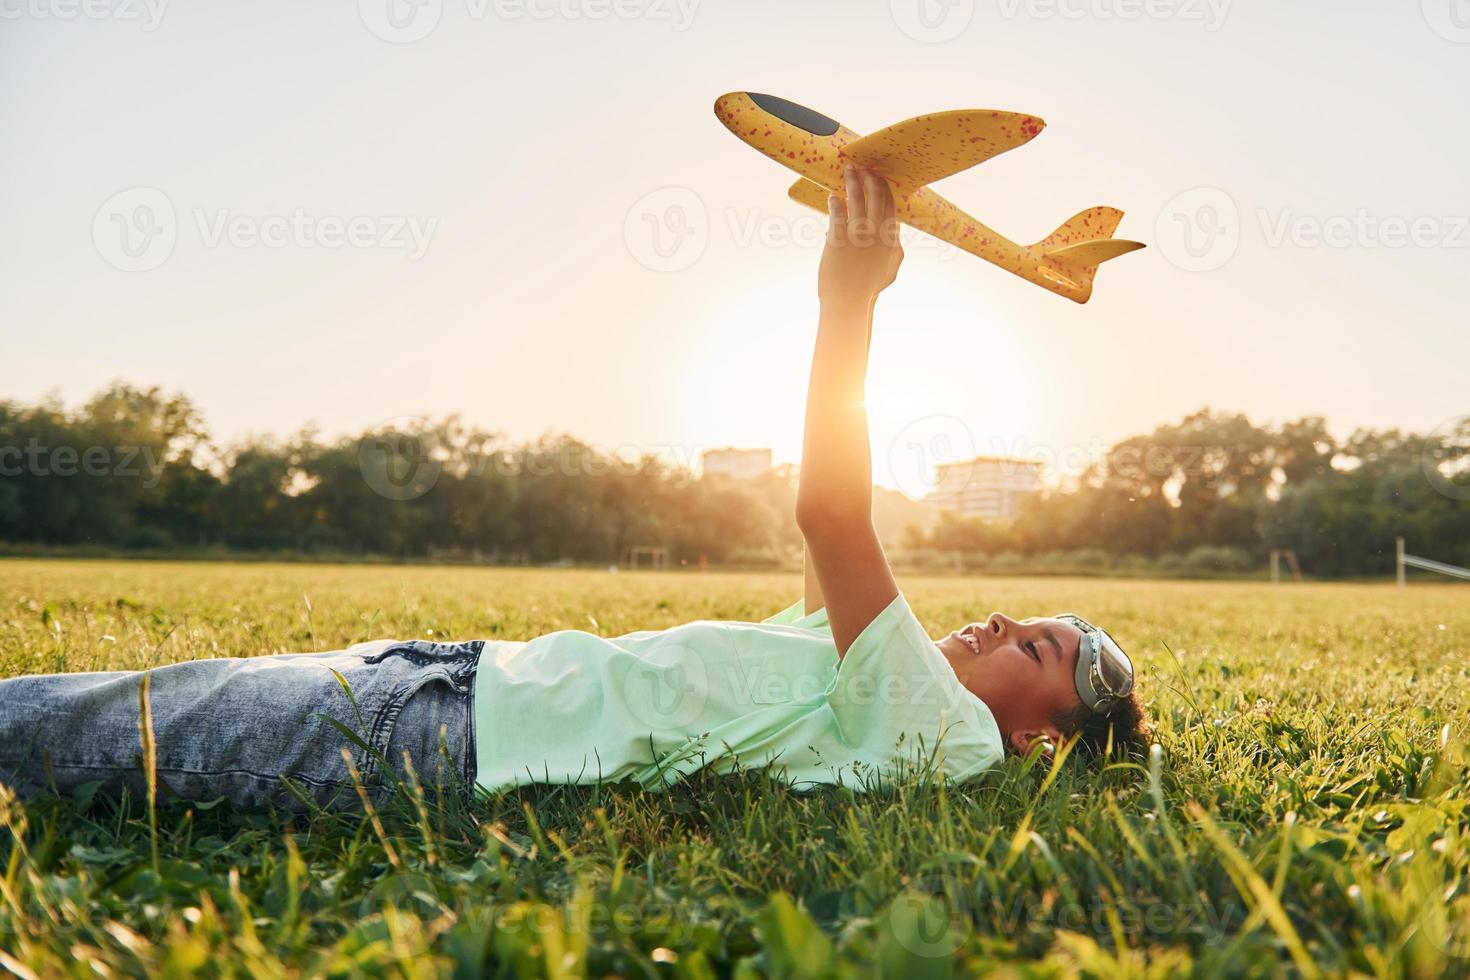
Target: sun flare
[(946, 374)]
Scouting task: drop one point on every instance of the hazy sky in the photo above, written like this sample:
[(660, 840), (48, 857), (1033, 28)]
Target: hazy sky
[(525, 212)]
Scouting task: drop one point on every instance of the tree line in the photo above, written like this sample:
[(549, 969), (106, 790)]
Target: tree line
[(136, 468), (1226, 491)]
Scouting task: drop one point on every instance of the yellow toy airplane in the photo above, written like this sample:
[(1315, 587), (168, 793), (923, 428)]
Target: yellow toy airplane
[(913, 154)]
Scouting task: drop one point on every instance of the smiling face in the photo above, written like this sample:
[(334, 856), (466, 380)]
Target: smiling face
[(1023, 671)]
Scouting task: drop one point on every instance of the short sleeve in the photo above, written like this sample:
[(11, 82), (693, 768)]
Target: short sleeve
[(796, 615), (895, 694), (788, 615)]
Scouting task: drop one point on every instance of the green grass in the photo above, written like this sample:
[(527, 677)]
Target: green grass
[(1305, 813)]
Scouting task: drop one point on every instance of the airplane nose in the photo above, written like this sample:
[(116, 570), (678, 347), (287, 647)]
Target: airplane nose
[(727, 105)]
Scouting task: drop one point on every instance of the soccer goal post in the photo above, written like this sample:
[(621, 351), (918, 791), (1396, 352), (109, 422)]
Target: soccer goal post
[(658, 556), (1278, 555), (1405, 560)]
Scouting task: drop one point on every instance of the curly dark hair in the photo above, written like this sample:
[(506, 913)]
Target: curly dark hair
[(1128, 729)]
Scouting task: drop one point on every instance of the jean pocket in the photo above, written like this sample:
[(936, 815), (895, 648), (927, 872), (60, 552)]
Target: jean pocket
[(421, 664), (458, 660)]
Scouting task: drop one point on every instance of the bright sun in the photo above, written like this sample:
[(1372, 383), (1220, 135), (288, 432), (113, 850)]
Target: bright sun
[(947, 379)]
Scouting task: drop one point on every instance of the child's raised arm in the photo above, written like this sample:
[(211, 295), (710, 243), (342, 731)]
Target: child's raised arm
[(834, 504)]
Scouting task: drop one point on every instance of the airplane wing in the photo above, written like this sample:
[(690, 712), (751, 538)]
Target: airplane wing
[(810, 193), (924, 149), (1094, 253)]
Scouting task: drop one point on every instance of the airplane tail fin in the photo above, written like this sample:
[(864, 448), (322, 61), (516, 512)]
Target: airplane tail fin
[(1084, 242)]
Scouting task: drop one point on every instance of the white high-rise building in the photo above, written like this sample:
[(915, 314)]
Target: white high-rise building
[(986, 486), (741, 464)]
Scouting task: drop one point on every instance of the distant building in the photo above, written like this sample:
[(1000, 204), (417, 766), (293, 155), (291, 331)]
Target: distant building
[(741, 464), (987, 486)]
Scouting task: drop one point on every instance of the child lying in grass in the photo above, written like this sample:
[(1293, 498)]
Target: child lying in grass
[(844, 687)]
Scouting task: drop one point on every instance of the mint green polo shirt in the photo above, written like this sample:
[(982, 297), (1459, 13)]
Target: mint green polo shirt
[(655, 706)]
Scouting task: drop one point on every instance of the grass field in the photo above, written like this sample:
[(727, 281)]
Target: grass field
[(1305, 812)]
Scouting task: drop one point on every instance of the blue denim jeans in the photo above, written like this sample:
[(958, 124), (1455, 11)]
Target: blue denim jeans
[(236, 728)]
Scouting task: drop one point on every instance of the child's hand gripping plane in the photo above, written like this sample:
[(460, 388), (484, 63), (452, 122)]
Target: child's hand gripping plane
[(913, 154)]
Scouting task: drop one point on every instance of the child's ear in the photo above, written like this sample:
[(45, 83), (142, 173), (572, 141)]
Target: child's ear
[(1048, 738)]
